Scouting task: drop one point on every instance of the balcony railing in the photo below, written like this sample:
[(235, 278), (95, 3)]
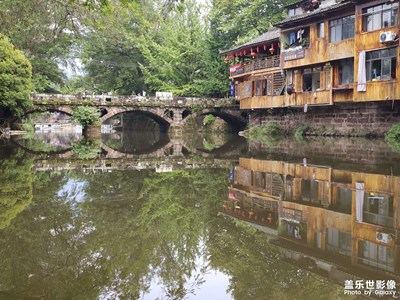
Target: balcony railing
[(259, 64)]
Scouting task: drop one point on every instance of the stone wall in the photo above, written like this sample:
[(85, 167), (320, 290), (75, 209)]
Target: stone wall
[(340, 119)]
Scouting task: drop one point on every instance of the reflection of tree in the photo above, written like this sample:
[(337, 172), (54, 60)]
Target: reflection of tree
[(16, 180), (148, 227), (46, 255), (112, 207), (175, 209), (257, 270), (88, 235), (64, 249), (109, 233), (86, 149)]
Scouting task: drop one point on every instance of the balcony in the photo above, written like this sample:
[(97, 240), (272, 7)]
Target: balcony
[(263, 102), (310, 98), (256, 64)]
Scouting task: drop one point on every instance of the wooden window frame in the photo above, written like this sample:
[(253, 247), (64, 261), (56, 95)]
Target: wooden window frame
[(342, 22), (364, 15), (368, 64)]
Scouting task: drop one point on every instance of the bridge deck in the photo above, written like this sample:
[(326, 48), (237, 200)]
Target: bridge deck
[(101, 100)]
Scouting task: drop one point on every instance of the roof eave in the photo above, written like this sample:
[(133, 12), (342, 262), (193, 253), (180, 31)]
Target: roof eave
[(243, 47), (294, 23)]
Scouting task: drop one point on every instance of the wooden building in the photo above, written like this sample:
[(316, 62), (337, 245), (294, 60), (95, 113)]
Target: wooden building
[(331, 52), (351, 218), (255, 72)]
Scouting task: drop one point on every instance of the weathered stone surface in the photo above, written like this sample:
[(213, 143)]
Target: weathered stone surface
[(372, 117), (167, 113)]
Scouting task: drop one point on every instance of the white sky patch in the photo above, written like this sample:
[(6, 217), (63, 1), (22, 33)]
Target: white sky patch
[(73, 191)]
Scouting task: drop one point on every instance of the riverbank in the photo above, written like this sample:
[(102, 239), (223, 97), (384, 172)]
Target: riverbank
[(372, 119)]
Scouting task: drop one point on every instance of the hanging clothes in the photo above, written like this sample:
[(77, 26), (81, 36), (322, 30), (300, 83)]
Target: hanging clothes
[(292, 38), (362, 75), (300, 33), (359, 201)]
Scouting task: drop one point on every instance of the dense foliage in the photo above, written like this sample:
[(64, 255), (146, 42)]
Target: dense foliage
[(86, 116), (393, 137), (15, 77), (127, 47)]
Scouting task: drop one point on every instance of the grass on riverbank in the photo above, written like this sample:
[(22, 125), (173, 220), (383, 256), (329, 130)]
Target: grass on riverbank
[(392, 137), (266, 133)]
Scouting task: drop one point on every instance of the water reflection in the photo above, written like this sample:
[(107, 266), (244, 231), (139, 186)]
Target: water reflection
[(50, 141), (69, 144), (136, 142), (129, 226), (333, 220), (16, 179)]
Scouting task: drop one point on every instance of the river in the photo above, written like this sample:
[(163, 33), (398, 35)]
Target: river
[(130, 216)]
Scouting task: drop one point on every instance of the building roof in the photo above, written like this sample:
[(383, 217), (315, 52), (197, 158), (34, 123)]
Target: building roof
[(270, 35), (313, 13)]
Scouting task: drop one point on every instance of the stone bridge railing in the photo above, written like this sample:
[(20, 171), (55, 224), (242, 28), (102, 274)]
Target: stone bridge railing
[(158, 164), (108, 100)]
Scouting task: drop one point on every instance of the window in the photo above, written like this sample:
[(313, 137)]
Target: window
[(289, 77), (343, 200), (258, 90), (257, 179), (381, 64), (309, 190), (341, 29), (338, 241), (346, 71), (294, 11), (378, 209), (311, 79), (376, 255), (264, 87), (317, 239), (321, 30), (380, 16)]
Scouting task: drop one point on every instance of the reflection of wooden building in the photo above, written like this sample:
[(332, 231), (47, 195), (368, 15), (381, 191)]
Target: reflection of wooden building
[(351, 217), (331, 52)]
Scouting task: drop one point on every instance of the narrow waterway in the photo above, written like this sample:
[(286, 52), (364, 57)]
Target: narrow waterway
[(129, 216)]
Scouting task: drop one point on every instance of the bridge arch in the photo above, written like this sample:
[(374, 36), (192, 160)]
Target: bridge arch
[(232, 117), (63, 109), (162, 117)]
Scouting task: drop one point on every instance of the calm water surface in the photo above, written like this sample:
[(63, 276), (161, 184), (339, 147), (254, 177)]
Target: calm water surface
[(206, 217)]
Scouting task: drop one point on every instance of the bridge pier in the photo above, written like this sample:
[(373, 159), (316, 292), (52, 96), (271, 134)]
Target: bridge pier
[(177, 117), (175, 132)]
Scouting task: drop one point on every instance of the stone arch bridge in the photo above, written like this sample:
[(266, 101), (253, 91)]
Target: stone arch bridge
[(168, 113)]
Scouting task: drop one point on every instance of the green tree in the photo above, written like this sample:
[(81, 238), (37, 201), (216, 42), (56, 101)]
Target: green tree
[(15, 78), (86, 116), (175, 52), (47, 32), (110, 50), (235, 22)]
